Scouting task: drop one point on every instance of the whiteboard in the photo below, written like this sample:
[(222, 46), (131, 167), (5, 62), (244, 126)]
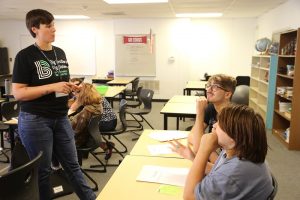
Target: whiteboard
[(80, 52), (135, 59)]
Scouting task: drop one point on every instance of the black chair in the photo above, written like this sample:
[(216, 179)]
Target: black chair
[(146, 97), (9, 110), (242, 80), (133, 92), (22, 182), (94, 142), (275, 185), (241, 95), (137, 102), (120, 128)]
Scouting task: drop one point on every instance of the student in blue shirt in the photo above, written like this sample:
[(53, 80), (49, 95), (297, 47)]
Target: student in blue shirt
[(240, 171)]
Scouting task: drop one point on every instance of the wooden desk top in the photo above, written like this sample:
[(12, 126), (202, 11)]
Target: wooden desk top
[(183, 99), (121, 80), (196, 85), (179, 108), (11, 122), (113, 91), (123, 184), (141, 146)]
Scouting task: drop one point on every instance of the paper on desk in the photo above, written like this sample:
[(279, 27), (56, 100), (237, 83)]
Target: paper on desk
[(170, 190), (169, 135), (164, 175), (159, 149)]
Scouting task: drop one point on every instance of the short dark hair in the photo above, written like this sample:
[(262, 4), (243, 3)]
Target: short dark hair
[(36, 17), (227, 82), (247, 129)]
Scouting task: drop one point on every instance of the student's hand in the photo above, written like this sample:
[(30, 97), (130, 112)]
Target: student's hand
[(201, 104), (209, 143), (184, 151), (62, 87), (76, 88)]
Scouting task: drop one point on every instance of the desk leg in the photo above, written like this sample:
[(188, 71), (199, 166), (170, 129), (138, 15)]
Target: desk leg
[(177, 123), (165, 122)]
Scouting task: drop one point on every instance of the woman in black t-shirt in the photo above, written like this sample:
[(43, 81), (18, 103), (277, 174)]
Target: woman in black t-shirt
[(41, 84)]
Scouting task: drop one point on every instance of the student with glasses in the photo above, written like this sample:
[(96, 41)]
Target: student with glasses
[(219, 90)]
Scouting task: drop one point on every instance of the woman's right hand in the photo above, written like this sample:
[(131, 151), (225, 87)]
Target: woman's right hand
[(62, 87)]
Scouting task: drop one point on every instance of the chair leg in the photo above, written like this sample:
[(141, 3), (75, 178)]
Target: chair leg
[(147, 122), (136, 120), (2, 152), (95, 188), (94, 166), (134, 139)]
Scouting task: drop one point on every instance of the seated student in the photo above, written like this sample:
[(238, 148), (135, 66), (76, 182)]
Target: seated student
[(93, 104), (240, 171), (72, 95), (219, 90)]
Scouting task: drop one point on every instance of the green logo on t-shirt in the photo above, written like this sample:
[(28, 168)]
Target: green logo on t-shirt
[(43, 69)]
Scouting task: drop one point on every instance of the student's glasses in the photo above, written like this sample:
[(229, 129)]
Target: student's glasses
[(215, 87)]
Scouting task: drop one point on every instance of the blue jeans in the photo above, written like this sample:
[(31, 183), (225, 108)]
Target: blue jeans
[(55, 136)]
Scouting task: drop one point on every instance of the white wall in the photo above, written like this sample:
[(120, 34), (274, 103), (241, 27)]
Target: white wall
[(283, 17), (198, 46)]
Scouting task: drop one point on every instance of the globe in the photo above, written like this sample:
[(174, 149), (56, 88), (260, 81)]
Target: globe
[(262, 44)]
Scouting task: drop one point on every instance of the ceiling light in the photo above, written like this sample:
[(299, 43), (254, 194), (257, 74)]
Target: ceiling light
[(195, 15), (71, 17), (134, 1)]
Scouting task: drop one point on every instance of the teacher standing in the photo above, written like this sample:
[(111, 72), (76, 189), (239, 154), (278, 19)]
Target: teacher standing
[(40, 83)]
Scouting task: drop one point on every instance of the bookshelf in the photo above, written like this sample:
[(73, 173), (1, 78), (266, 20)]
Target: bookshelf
[(286, 80), (262, 86)]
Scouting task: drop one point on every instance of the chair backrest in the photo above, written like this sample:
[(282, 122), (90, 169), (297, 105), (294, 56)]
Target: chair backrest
[(146, 97), (275, 185), (135, 84), (138, 94), (241, 95), (10, 109), (94, 131), (242, 80), (122, 113), (22, 182)]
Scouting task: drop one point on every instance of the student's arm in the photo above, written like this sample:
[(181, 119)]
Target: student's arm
[(199, 126), (209, 143), (23, 92)]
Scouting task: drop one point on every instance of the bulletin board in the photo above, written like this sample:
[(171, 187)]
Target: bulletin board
[(135, 55), (80, 52)]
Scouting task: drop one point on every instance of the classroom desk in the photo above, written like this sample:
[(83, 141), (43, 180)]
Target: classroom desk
[(103, 80), (183, 99), (121, 81), (178, 110), (13, 124), (123, 184), (140, 148), (113, 91), (194, 86)]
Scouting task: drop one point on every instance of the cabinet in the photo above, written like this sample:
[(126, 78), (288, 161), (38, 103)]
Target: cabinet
[(288, 118), (262, 86)]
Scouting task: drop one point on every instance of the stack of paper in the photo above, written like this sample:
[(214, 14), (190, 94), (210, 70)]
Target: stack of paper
[(164, 175), (166, 136), (159, 149)]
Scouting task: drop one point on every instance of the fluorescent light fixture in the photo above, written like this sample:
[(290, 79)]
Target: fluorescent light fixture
[(71, 17), (134, 1), (199, 15)]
